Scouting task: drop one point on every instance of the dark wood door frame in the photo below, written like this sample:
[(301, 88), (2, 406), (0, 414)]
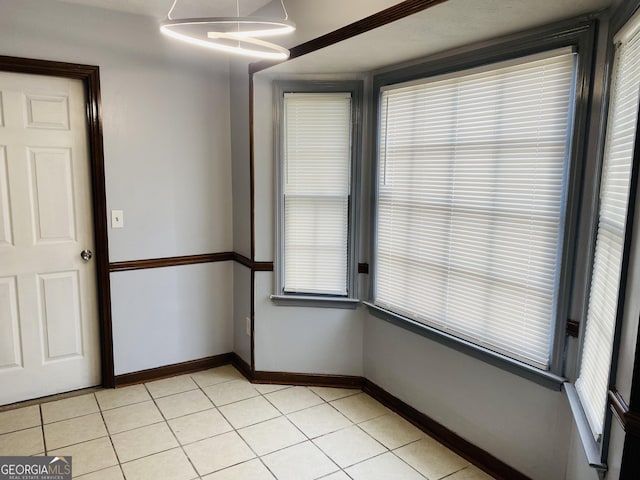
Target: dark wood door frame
[(90, 77)]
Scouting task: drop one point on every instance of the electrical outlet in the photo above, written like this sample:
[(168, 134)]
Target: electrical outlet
[(247, 322)]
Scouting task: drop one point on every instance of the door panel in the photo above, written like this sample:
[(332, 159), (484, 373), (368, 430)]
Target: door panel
[(49, 322), (5, 218), (60, 315), (10, 351), (50, 112), (52, 194)]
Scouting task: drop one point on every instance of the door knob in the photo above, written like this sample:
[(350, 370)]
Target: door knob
[(86, 255)]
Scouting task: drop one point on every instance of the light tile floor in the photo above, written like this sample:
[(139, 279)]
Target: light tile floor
[(215, 425)]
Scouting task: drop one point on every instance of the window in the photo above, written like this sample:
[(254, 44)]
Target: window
[(593, 381), (316, 184), (472, 181)]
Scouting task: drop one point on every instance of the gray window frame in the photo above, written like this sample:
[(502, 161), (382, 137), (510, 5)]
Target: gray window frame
[(355, 88), (578, 34), (597, 452)]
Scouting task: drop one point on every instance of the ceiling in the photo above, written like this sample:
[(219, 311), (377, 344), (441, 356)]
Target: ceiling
[(442, 27), (445, 26), (312, 17), (184, 8), (317, 17)]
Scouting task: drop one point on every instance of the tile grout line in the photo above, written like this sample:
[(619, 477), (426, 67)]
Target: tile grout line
[(282, 415), (137, 428), (305, 435), (44, 438), (236, 430), (257, 457), (265, 395), (238, 433), (115, 452), (233, 429), (357, 463), (358, 425), (36, 402), (288, 420), (453, 473), (84, 441), (221, 414), (312, 440), (120, 406), (153, 399), (70, 418), (215, 407)]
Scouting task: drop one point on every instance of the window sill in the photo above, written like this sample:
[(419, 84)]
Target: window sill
[(541, 377), (591, 447), (314, 301)]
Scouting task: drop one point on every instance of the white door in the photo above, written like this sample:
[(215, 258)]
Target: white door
[(49, 340)]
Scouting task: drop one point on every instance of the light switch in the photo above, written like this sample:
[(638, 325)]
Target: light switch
[(117, 219)]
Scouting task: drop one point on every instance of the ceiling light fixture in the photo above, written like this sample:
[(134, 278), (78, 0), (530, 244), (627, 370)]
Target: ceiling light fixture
[(235, 35)]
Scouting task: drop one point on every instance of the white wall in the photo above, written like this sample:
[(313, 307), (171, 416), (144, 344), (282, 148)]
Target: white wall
[(240, 152), (303, 339), (241, 162), (264, 176), (167, 161), (577, 464), (180, 314), (167, 158), (616, 448), (521, 423), (241, 311)]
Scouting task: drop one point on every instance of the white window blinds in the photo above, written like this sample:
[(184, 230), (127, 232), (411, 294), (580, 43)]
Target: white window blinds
[(317, 171), (470, 204), (593, 382)]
